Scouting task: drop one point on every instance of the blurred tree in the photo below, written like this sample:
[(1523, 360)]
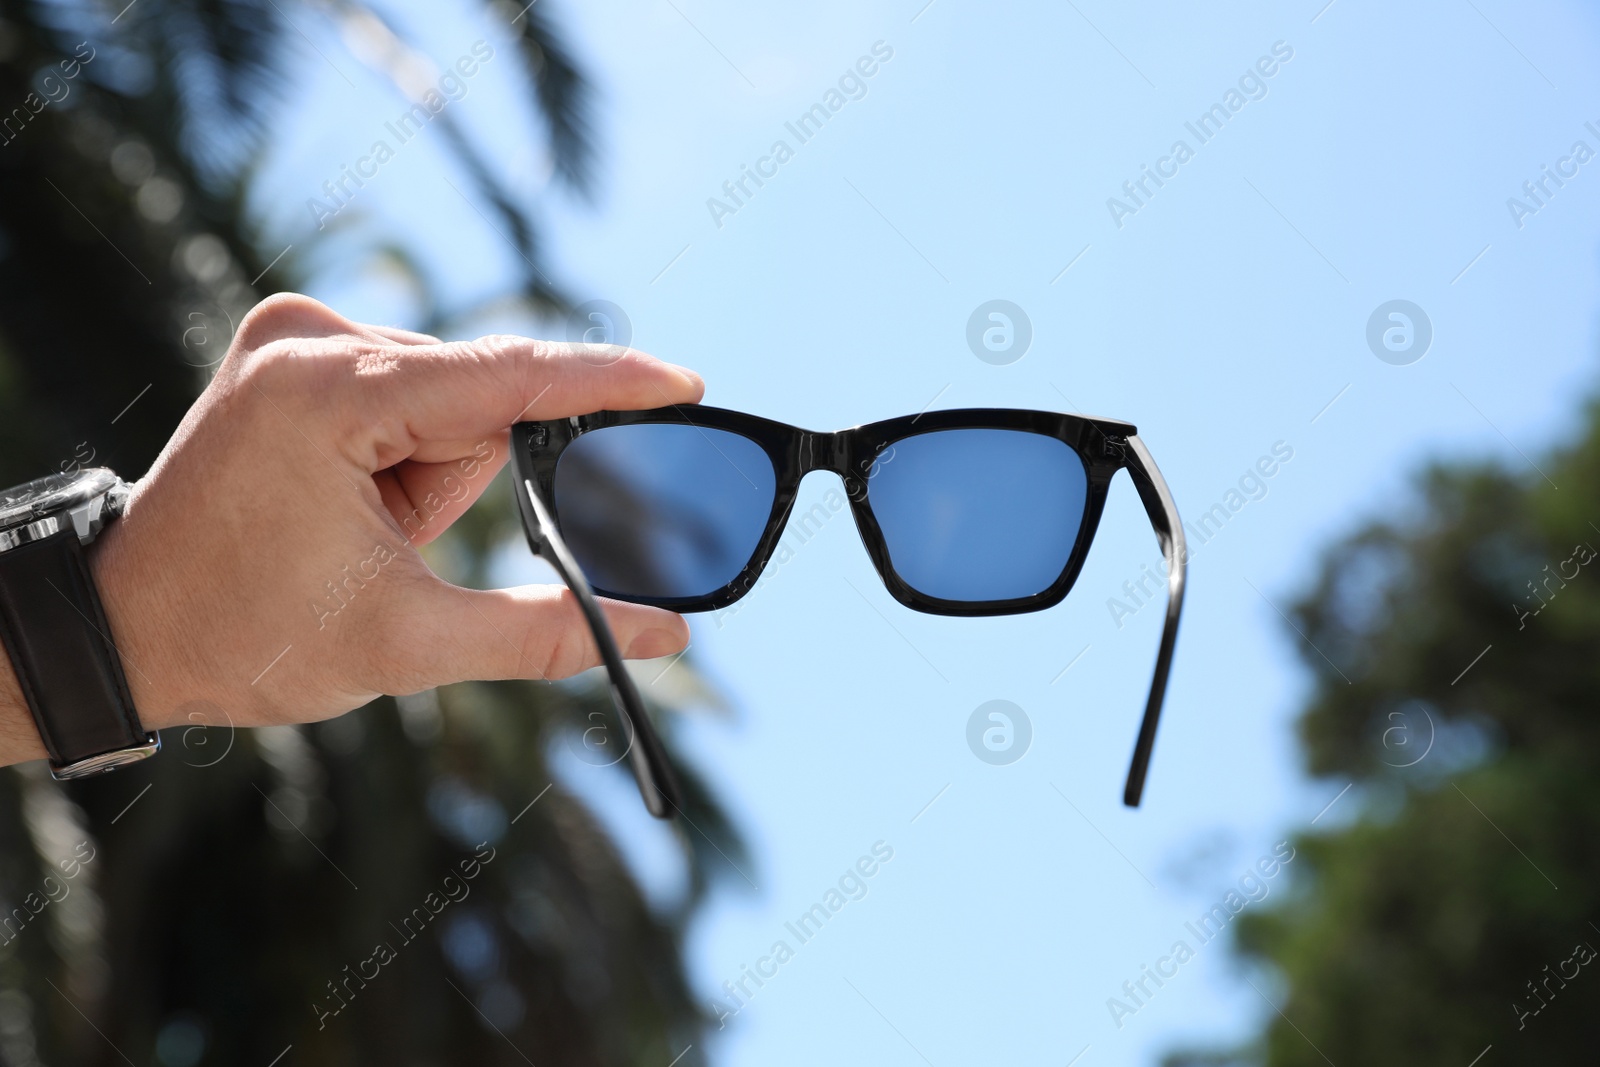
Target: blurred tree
[(212, 914), (1458, 909)]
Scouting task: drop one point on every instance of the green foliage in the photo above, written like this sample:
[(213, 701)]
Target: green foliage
[(198, 905), (1413, 934)]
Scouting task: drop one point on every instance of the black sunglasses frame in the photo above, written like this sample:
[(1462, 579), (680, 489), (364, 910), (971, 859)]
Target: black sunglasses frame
[(1105, 446), (647, 756)]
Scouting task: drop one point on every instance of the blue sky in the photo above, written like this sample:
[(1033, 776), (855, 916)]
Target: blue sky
[(1227, 315)]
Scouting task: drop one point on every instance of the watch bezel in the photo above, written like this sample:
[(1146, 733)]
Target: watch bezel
[(56, 493)]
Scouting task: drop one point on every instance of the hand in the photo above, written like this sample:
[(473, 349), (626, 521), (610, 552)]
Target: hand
[(266, 569)]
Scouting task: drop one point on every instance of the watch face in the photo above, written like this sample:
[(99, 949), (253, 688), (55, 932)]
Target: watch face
[(54, 492)]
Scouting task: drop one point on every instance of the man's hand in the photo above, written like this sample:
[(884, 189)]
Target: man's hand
[(266, 569)]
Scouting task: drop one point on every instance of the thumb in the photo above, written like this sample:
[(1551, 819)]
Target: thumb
[(534, 631)]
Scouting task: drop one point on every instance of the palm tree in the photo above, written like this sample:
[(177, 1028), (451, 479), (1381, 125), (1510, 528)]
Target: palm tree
[(226, 900)]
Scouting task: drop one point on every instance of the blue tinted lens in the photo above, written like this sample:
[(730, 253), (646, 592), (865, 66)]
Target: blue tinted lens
[(979, 514), (663, 510)]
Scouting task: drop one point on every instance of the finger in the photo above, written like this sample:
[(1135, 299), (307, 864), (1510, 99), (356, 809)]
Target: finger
[(404, 337), (535, 631), (467, 390), (425, 498)]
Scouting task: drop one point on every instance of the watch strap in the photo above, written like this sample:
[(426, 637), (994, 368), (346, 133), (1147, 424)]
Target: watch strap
[(59, 642)]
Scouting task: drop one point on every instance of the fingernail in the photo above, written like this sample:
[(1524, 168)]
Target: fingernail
[(654, 643), (689, 374)]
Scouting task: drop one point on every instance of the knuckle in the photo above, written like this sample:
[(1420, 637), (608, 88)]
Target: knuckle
[(524, 357), (564, 650), (554, 659), (288, 339), (285, 315), (483, 350), (531, 364), (499, 344), (603, 355)]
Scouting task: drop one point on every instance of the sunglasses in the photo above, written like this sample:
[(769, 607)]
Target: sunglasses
[(984, 511)]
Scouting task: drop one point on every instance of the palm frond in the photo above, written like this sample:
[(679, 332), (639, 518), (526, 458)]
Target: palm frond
[(563, 96)]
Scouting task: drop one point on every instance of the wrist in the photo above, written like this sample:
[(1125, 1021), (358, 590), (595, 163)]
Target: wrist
[(132, 620), (56, 653)]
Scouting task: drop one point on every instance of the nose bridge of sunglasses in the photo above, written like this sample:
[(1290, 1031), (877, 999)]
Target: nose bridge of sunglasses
[(823, 451)]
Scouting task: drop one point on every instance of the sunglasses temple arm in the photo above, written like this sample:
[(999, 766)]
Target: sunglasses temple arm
[(1163, 512), (658, 785)]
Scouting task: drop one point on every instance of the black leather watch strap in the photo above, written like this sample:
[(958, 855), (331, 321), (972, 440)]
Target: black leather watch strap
[(56, 634)]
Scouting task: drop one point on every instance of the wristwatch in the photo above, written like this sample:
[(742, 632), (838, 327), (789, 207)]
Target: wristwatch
[(54, 628)]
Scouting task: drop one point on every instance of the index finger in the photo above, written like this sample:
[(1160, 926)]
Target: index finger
[(468, 389)]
